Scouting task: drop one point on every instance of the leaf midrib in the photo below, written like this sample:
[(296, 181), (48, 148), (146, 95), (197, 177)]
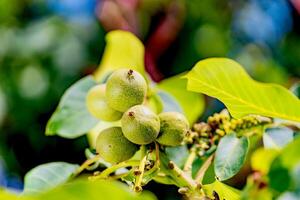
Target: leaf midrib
[(247, 103)]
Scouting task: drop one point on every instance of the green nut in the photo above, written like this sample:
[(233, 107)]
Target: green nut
[(98, 107), (113, 147), (173, 127), (125, 88), (140, 125)]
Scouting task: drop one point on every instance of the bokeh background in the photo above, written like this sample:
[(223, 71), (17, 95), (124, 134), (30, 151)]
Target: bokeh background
[(46, 45)]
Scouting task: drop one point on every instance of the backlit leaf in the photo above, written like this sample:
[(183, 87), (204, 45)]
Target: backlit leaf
[(123, 50), (227, 81)]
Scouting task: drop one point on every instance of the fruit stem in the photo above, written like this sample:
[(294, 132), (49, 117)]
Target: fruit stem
[(204, 167), (181, 176), (105, 173), (86, 164), (189, 162), (141, 170)]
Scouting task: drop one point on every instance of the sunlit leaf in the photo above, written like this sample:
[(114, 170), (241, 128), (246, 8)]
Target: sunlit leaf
[(71, 118), (223, 191), (277, 137), (47, 176), (123, 50), (227, 81), (191, 103), (230, 156)]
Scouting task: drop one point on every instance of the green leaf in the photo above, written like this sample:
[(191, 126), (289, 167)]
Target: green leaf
[(94, 190), (230, 156), (223, 191), (278, 137), (227, 81), (176, 86), (123, 50), (71, 118), (47, 176), (83, 189), (169, 102), (178, 154)]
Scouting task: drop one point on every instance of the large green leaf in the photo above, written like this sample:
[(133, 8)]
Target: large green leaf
[(230, 156), (191, 102), (223, 191), (123, 50), (47, 176), (227, 81), (71, 118)]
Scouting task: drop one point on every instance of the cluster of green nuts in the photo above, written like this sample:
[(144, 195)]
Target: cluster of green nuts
[(123, 98), (206, 135)]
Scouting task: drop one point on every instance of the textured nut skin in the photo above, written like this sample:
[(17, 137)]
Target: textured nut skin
[(140, 125), (98, 107), (113, 146), (124, 89), (173, 127)]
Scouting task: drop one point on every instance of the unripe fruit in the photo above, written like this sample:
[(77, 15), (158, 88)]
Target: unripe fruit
[(113, 147), (125, 88), (98, 107), (173, 127), (140, 125)]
